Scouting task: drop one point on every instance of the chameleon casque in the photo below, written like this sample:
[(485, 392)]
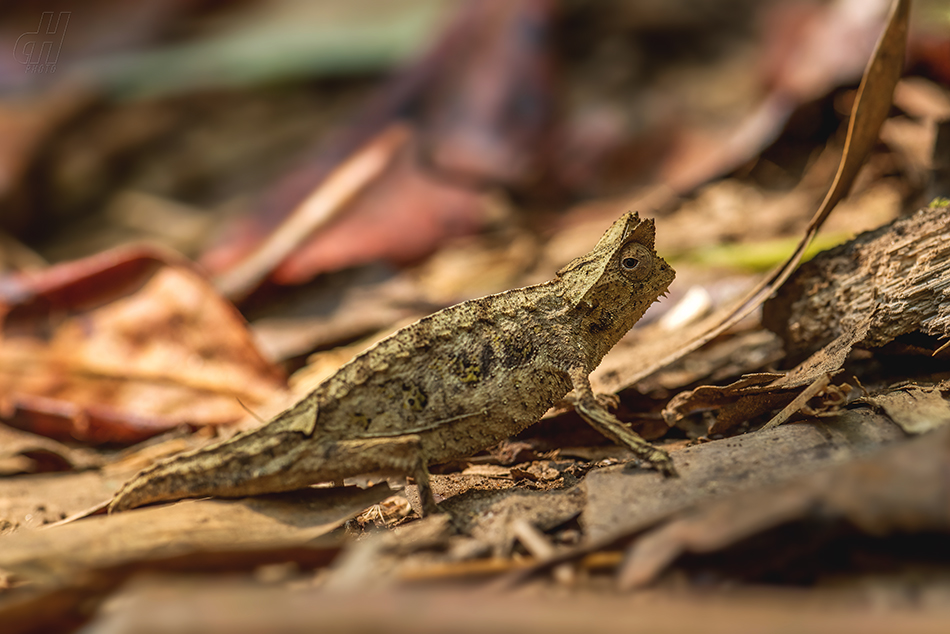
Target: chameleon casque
[(445, 387)]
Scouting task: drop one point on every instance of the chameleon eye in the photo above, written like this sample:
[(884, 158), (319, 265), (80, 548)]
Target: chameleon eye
[(636, 261)]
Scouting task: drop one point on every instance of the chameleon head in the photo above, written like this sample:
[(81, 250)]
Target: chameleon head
[(619, 279)]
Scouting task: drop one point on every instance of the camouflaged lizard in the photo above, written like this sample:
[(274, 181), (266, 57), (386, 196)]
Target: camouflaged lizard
[(444, 387)]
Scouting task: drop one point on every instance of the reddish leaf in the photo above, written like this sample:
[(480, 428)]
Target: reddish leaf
[(402, 217), (123, 345), (931, 50)]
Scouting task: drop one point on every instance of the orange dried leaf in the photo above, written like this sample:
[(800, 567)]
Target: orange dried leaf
[(123, 345)]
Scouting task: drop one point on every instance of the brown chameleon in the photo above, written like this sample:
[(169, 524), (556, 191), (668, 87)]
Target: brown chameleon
[(444, 387)]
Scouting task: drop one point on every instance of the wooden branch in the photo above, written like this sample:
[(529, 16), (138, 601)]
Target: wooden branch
[(898, 275)]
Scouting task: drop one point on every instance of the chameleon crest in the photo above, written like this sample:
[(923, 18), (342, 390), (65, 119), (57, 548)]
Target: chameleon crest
[(451, 384)]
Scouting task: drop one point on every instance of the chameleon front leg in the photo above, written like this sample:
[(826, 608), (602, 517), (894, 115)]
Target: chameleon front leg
[(590, 408)]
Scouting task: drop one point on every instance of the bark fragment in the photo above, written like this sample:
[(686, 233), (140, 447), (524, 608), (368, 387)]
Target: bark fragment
[(897, 276)]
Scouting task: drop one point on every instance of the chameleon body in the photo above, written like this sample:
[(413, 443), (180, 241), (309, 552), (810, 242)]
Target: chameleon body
[(444, 387)]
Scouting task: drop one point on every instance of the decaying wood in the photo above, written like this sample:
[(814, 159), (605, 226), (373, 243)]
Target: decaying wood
[(897, 277), (883, 284)]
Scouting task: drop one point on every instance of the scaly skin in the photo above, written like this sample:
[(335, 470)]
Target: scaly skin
[(447, 386)]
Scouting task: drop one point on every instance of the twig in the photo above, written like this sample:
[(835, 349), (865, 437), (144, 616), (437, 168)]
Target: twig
[(792, 408), (538, 545), (316, 211)]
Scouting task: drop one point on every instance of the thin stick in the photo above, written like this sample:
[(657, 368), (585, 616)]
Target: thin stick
[(799, 402), (538, 545), (317, 210)]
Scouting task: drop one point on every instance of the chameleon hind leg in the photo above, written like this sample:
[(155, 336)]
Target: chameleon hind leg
[(589, 407), (399, 454)]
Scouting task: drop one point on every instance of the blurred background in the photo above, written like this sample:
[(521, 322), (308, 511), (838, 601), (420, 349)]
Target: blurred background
[(207, 207)]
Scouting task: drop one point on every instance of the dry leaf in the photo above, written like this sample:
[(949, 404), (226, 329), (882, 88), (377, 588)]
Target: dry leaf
[(57, 554), (806, 390), (318, 210), (916, 410), (36, 454), (123, 345), (402, 217)]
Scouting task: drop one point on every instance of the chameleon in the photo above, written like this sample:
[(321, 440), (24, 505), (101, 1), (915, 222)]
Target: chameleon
[(442, 388)]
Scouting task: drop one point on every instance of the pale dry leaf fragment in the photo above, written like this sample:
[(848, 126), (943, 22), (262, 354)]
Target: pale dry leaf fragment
[(694, 305), (917, 410), (488, 471)]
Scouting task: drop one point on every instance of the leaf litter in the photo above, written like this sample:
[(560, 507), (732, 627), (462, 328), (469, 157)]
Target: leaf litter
[(122, 346), (834, 497)]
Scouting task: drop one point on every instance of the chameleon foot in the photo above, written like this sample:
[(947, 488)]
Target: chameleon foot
[(590, 408)]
